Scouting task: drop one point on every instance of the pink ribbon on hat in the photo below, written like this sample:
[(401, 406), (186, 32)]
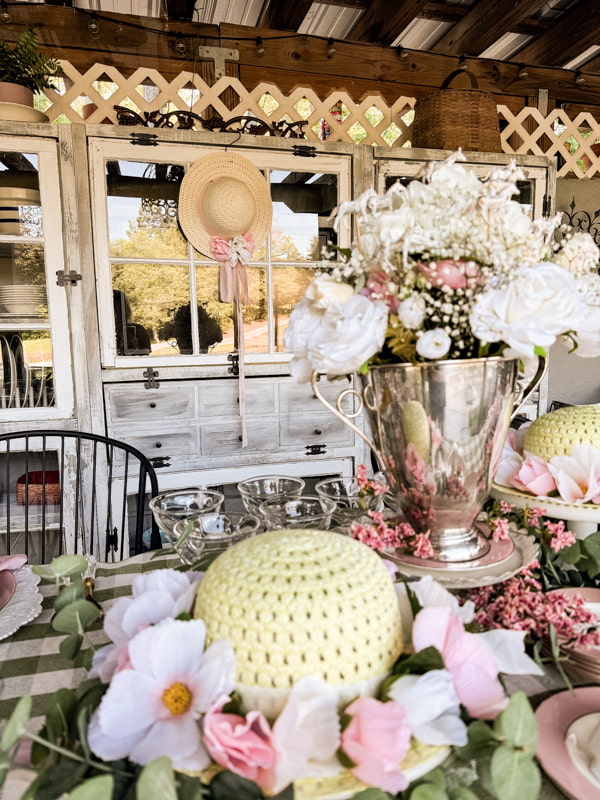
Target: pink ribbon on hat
[(233, 255), (12, 562)]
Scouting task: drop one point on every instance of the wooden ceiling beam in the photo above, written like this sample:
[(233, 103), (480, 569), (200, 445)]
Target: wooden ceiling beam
[(283, 16), (384, 21), (577, 30), (483, 24)]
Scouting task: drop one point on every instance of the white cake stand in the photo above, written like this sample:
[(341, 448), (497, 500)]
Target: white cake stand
[(582, 519)]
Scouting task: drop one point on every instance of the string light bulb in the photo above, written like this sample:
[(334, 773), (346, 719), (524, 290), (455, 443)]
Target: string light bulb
[(462, 63), (94, 25), (260, 49), (5, 15), (401, 52), (180, 46), (330, 46), (523, 73), (579, 78)]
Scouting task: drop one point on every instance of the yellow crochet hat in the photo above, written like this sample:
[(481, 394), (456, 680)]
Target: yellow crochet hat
[(557, 432), (302, 602)]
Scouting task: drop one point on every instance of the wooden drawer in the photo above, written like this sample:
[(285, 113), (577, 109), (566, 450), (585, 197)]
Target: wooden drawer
[(134, 403), (221, 438), (299, 397), (301, 430), (220, 398), (164, 443)]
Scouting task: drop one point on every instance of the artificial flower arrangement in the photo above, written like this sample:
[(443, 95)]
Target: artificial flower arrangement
[(160, 709), (573, 478), (447, 267)]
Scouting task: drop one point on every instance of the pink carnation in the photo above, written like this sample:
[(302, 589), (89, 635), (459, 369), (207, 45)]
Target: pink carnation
[(376, 740), (243, 746)]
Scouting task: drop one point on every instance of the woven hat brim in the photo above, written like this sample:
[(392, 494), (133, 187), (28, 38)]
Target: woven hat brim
[(195, 181)]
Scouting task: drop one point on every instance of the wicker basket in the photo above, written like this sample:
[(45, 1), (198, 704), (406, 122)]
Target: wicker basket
[(39, 487), (453, 118)]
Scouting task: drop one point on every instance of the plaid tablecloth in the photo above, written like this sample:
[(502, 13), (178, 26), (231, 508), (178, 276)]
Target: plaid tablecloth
[(30, 662)]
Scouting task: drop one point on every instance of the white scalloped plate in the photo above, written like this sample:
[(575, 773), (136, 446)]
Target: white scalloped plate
[(525, 551), (582, 512), (25, 604)]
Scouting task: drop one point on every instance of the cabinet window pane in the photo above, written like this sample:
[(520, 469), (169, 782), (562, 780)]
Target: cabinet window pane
[(289, 284), (142, 210), (20, 210), (302, 205), (26, 377), (22, 283)]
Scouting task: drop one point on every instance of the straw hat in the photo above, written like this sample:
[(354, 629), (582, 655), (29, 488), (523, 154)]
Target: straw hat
[(223, 194)]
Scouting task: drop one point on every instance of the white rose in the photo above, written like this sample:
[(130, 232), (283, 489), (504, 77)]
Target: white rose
[(540, 303), (433, 344), (348, 335), (304, 319), (411, 312), (324, 290)]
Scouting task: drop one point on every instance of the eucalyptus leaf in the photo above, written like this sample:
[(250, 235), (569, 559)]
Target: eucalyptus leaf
[(68, 594), (43, 572), (462, 793), (60, 714), (157, 780), (514, 776), (226, 786), (480, 738), (17, 724), (429, 791), (419, 663), (59, 779), (516, 725), (189, 788), (572, 553), (76, 617), (68, 566), (70, 646), (97, 788), (5, 764)]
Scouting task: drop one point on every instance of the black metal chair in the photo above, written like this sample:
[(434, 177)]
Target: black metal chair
[(72, 492)]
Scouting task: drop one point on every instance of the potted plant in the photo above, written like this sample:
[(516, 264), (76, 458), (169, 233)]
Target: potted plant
[(24, 71)]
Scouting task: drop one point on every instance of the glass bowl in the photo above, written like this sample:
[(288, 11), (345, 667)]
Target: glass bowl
[(212, 533), (255, 490), (182, 504), (350, 504), (304, 511)]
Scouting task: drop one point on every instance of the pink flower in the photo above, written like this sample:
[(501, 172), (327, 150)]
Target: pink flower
[(241, 745), (422, 545), (500, 529), (220, 248), (453, 274), (377, 288), (415, 465), (534, 476), (376, 740), (470, 662), (561, 538), (361, 476)]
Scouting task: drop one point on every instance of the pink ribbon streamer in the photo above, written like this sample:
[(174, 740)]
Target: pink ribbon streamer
[(233, 255)]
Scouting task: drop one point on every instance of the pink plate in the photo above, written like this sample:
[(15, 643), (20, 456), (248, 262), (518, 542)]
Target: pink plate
[(554, 716), (8, 584)]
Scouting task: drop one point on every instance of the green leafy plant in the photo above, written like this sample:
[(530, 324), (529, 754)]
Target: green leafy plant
[(25, 65)]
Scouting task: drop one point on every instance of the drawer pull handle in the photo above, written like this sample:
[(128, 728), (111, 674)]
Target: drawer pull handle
[(158, 444), (152, 405), (317, 432)]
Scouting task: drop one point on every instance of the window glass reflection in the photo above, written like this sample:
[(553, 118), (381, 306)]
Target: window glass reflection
[(142, 210), (26, 376), (22, 283), (20, 209), (289, 284)]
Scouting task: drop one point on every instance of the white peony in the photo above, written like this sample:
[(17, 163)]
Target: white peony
[(433, 344), (324, 290), (335, 340), (539, 304), (411, 312), (348, 335)]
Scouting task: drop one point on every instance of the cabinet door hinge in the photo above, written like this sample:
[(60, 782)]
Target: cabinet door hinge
[(234, 369), (144, 139), (315, 449), (151, 382), (159, 462), (63, 278), (304, 151)]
